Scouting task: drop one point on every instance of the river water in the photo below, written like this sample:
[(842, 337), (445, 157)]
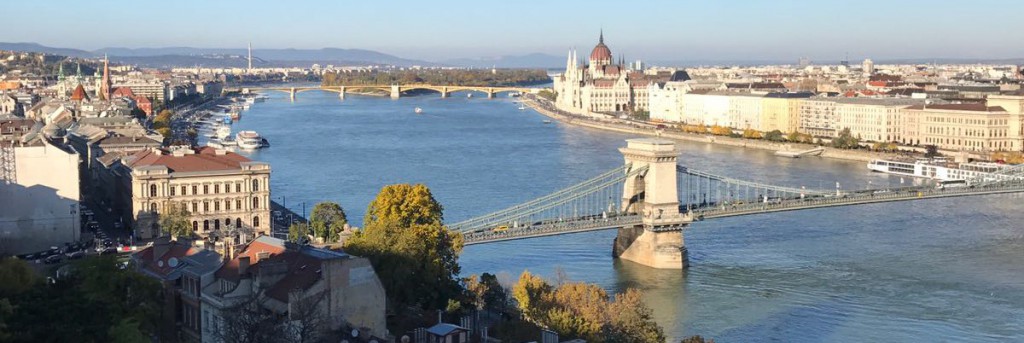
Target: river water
[(931, 270)]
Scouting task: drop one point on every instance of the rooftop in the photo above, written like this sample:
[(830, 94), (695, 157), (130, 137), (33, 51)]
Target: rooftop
[(197, 160)]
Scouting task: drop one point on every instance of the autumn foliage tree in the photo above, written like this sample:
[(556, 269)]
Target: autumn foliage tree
[(415, 256), (575, 309)]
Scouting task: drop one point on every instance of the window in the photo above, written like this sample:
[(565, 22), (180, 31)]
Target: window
[(255, 221), (216, 225), (206, 189), (255, 185), (206, 206), (255, 202), (195, 207), (216, 189), (172, 191), (238, 222), (206, 225), (227, 222), (152, 190), (216, 205), (195, 190), (238, 204), (195, 226), (227, 205), (238, 187), (152, 207), (183, 190)]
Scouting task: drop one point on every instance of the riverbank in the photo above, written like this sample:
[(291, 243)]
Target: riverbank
[(546, 108)]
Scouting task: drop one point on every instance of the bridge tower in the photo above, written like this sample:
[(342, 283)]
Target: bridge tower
[(341, 92), (396, 91), (658, 241)]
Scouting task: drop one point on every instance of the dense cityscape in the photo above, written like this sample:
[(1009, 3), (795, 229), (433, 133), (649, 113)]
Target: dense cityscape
[(180, 197)]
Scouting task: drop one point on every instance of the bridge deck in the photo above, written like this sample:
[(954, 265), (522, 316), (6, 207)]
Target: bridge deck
[(587, 224)]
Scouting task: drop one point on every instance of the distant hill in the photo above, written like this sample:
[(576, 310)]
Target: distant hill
[(214, 57), (534, 60), (33, 47)]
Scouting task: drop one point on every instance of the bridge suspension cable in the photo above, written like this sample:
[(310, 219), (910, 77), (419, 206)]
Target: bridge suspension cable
[(701, 190), (598, 196)]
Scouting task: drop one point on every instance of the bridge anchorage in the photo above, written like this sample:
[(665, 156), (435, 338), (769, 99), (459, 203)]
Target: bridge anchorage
[(651, 200)]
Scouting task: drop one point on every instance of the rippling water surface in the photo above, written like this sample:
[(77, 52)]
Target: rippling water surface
[(929, 271)]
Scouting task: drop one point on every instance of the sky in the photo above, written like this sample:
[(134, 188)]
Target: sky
[(684, 30)]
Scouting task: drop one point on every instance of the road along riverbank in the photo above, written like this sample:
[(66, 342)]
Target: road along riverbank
[(638, 128)]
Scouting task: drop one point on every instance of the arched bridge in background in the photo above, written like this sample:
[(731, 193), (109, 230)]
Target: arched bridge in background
[(395, 91), (652, 198)]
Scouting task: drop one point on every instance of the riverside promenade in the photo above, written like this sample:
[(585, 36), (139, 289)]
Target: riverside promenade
[(548, 109)]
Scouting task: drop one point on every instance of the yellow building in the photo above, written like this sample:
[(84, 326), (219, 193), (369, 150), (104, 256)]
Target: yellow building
[(226, 194), (781, 111), (963, 127)]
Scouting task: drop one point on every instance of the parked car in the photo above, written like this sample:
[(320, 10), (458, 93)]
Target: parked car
[(53, 259), (108, 251), (75, 255)]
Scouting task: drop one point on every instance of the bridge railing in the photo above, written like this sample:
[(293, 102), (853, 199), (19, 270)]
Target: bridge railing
[(569, 202), (553, 228)]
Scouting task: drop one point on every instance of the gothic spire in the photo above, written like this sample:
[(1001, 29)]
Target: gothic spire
[(78, 73), (60, 72), (601, 38)]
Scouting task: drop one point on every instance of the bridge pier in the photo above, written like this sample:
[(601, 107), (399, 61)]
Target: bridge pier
[(490, 93), (341, 92), (658, 242), (656, 249), (396, 91), (444, 92), (291, 93)]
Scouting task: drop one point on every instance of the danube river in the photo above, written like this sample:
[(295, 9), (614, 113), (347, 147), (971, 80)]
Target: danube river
[(927, 271)]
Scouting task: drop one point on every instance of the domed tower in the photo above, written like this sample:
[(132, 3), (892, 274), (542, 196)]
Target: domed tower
[(601, 55)]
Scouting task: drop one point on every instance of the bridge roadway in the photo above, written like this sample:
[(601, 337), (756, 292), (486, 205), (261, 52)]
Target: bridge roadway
[(596, 223), (394, 90)]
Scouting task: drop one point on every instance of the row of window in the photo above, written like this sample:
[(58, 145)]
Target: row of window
[(206, 189), (216, 205), (227, 224)]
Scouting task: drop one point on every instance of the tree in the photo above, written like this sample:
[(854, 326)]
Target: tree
[(845, 140), (721, 130), (16, 277), (793, 136), (404, 205), (530, 293), (753, 134), (931, 150), (298, 233), (774, 136), (328, 221), (174, 220), (414, 255)]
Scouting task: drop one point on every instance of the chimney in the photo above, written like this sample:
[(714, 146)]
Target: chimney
[(243, 265), (160, 247)]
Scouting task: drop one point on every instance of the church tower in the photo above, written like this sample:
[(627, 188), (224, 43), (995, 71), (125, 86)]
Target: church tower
[(105, 87)]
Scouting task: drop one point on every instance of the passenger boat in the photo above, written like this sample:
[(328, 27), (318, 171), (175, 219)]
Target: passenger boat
[(249, 140), (470, 95), (234, 115), (223, 132), (547, 121), (936, 169)]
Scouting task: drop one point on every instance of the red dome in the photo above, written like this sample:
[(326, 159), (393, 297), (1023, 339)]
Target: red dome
[(601, 53)]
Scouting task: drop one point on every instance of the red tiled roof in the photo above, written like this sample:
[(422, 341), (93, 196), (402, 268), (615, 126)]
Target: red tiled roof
[(79, 94), (205, 159), (230, 268), (877, 83), (123, 92), (302, 273), (141, 100), (159, 265)]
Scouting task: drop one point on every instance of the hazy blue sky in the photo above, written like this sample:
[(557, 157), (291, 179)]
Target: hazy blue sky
[(434, 30)]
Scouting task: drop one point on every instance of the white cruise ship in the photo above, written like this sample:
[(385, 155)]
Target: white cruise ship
[(936, 169), (249, 140)]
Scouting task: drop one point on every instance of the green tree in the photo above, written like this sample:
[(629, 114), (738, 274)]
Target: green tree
[(845, 140), (774, 136), (328, 221), (174, 220), (414, 255), (16, 277), (931, 151), (298, 232)]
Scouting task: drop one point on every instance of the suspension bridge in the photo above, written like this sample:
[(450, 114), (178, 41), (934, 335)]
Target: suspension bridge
[(650, 199)]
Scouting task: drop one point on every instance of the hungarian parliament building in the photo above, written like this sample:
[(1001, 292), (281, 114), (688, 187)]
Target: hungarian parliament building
[(602, 86)]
